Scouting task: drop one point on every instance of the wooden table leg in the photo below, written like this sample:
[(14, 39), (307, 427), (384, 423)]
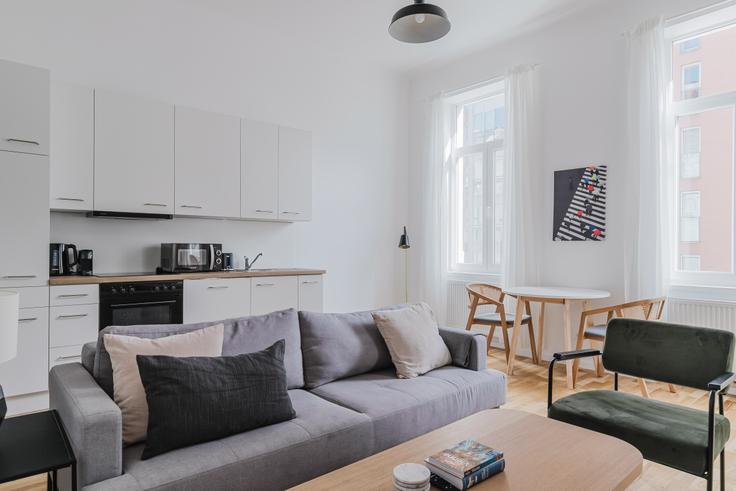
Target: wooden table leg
[(568, 343), (540, 336), (520, 302)]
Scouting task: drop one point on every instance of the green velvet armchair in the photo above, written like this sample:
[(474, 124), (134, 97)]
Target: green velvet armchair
[(686, 439)]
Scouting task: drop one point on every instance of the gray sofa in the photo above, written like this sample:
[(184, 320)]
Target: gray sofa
[(348, 400)]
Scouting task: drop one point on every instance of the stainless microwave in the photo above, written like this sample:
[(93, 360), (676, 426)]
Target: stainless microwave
[(191, 258)]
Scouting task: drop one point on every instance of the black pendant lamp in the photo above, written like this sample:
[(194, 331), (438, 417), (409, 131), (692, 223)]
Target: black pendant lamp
[(419, 23), (404, 240)]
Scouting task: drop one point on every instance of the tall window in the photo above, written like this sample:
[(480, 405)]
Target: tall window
[(704, 111), (476, 179)]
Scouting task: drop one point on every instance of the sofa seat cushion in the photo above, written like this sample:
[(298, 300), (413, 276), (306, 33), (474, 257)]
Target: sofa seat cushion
[(402, 409), (322, 437), (672, 435)]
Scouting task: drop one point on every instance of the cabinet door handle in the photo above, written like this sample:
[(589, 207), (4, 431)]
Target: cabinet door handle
[(291, 213), (20, 140), (28, 319), (73, 295), (70, 357), (264, 211), (71, 316), (62, 198), (196, 207), (265, 284), (217, 287), (311, 282), (155, 204), (19, 276)]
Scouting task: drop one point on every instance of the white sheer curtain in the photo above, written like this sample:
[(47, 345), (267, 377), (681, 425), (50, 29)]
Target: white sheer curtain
[(649, 189), (434, 179), (523, 173)]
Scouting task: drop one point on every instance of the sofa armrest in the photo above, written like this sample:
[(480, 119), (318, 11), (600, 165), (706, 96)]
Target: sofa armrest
[(468, 348), (92, 421)]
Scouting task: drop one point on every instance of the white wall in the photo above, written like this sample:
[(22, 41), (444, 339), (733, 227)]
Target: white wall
[(188, 53), (583, 100)]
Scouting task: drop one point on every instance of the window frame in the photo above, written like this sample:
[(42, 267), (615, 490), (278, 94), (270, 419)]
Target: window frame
[(688, 283), (488, 151)]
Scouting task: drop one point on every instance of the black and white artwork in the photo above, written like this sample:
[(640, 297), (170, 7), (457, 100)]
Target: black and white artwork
[(580, 203)]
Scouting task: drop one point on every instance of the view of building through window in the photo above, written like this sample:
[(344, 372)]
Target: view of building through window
[(477, 181), (702, 70)]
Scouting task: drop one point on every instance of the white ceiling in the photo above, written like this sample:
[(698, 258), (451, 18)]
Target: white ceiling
[(358, 29)]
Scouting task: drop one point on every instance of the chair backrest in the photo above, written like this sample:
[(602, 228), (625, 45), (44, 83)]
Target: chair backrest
[(672, 353), (486, 294), (647, 309)]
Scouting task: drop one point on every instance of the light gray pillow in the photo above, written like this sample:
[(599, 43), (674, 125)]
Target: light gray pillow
[(413, 339)]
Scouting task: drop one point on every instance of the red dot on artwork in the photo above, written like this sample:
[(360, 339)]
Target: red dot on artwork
[(590, 188), (596, 232), (580, 213)]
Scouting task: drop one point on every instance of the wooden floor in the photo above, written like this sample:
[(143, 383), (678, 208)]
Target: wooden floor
[(527, 391)]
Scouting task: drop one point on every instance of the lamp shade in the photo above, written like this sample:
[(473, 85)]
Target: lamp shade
[(419, 23), (8, 325), (404, 240)]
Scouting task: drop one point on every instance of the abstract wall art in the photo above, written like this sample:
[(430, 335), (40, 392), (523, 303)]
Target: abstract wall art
[(580, 204)]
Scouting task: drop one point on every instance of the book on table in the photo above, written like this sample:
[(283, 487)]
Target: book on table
[(466, 464), (448, 482)]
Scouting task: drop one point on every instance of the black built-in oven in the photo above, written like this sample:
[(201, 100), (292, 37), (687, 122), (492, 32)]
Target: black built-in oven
[(148, 302)]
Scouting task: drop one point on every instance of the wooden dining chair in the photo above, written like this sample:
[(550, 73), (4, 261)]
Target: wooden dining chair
[(481, 294), (647, 309)]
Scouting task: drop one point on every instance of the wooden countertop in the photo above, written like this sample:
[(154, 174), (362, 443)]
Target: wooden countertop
[(95, 280)]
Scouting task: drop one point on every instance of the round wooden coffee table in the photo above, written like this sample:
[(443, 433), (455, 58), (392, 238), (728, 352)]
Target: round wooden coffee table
[(544, 295)]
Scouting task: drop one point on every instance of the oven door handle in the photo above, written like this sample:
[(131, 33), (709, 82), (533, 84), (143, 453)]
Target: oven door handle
[(142, 304), (212, 257)]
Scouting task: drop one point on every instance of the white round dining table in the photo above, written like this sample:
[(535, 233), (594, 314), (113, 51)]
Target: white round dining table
[(525, 295)]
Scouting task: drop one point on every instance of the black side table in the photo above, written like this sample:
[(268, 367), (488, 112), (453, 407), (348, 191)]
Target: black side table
[(33, 444)]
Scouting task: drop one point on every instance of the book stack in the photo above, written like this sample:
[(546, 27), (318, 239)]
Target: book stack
[(464, 465)]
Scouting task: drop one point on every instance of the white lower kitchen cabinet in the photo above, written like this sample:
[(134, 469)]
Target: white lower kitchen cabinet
[(271, 293), (65, 354), (73, 325), (310, 293), (27, 373), (216, 299)]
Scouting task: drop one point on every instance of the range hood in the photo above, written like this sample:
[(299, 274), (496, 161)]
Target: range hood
[(129, 216)]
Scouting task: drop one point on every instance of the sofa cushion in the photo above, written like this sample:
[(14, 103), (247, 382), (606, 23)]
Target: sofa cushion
[(336, 346), (402, 409), (413, 339), (199, 399), (672, 435), (322, 438), (242, 335)]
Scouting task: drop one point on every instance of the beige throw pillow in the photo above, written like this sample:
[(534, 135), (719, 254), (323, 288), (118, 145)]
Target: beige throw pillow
[(413, 339), (128, 389)]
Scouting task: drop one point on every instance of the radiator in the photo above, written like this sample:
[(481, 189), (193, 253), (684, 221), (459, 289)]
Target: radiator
[(703, 313)]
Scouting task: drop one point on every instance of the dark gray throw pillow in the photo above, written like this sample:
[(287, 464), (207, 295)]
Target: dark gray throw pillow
[(198, 399)]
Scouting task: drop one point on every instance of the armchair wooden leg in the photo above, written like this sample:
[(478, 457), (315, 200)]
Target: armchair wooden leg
[(672, 388), (491, 331), (643, 388), (506, 343)]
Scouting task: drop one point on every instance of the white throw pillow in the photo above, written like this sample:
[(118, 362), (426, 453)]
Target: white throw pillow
[(413, 339), (128, 389)]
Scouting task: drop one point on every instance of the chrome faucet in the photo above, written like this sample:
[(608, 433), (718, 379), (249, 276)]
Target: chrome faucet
[(247, 264)]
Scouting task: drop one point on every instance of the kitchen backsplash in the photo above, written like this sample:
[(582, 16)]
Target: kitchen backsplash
[(134, 245)]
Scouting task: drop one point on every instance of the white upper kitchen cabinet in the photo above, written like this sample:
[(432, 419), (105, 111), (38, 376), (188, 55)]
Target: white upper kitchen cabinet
[(295, 174), (134, 154), (72, 147), (259, 170), (24, 108), (207, 160), (24, 219)]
